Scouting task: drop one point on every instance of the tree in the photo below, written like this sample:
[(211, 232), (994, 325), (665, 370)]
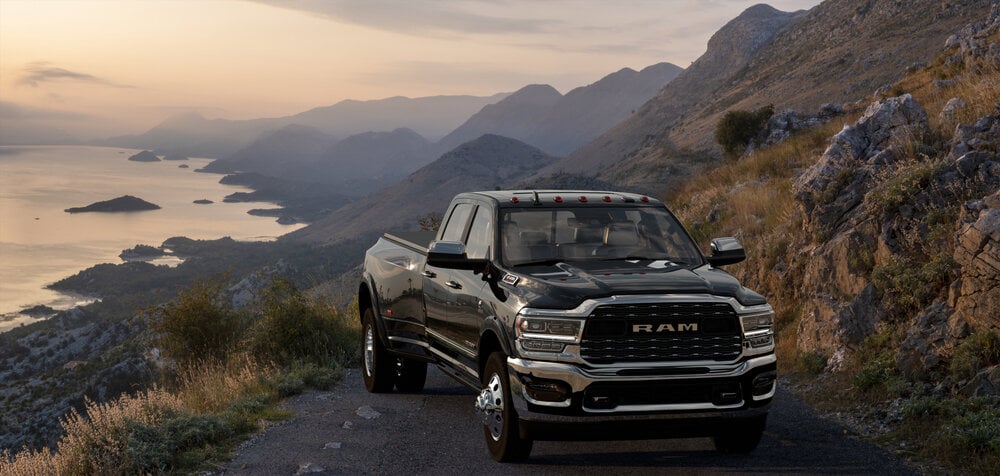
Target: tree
[(738, 128)]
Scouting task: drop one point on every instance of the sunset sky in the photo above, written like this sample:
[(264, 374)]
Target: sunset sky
[(95, 68)]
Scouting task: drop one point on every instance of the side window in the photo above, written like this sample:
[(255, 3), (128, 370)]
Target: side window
[(455, 228), (481, 234)]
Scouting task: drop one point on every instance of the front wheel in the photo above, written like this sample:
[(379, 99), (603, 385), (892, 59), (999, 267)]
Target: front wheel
[(499, 418), (379, 367), (742, 437)]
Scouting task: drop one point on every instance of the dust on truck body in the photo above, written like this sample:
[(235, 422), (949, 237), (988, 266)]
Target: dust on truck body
[(574, 315)]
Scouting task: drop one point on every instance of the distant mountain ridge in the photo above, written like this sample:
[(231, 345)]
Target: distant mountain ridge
[(193, 135), (558, 124), (484, 163)]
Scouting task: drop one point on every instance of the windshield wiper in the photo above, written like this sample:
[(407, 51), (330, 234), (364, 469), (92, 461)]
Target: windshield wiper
[(541, 262)]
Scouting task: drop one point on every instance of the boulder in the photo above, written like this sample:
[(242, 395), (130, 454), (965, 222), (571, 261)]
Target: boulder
[(976, 296), (930, 340), (951, 108)]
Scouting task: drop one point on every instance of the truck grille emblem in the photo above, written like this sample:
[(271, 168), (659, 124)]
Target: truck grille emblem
[(665, 327)]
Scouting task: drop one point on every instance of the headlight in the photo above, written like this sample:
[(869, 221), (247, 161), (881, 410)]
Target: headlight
[(547, 334), (759, 321), (758, 333)]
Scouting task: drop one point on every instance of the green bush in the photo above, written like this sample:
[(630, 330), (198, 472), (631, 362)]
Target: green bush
[(979, 350), (813, 362), (909, 285), (198, 325), (292, 328), (737, 128)]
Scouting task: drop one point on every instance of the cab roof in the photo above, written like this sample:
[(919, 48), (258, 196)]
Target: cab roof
[(533, 198)]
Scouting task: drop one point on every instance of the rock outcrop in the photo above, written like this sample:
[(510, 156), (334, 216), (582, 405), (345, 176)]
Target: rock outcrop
[(975, 296)]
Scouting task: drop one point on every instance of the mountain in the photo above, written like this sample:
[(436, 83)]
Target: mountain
[(192, 134), (374, 156), (558, 124), (837, 52), (431, 117), (482, 164), (586, 112), (517, 116), (291, 147)]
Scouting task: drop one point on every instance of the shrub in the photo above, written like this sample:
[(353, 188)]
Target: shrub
[(813, 362), (979, 350), (738, 128), (199, 324), (293, 328), (910, 285)]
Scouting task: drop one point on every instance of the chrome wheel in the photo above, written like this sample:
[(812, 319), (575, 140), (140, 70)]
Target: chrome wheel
[(490, 405)]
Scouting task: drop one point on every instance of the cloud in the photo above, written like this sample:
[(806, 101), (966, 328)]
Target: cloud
[(418, 17), (41, 72)]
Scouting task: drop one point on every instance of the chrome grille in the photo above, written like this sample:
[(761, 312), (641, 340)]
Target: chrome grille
[(609, 335)]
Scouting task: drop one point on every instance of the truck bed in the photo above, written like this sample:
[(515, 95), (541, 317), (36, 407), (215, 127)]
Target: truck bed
[(417, 241)]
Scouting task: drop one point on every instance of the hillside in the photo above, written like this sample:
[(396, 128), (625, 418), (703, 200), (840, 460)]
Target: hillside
[(838, 52), (482, 164), (558, 124), (878, 242), (292, 146)]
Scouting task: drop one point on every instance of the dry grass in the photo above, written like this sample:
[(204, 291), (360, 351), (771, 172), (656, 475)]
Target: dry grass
[(209, 387), (98, 442)]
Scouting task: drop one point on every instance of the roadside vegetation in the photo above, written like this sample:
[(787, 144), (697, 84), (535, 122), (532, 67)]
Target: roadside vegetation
[(921, 417), (224, 368)]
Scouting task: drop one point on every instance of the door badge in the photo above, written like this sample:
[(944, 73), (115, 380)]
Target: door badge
[(511, 279)]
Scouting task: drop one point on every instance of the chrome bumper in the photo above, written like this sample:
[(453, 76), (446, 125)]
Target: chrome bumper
[(579, 379)]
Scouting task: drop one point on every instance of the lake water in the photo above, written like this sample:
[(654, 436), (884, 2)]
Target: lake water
[(40, 243)]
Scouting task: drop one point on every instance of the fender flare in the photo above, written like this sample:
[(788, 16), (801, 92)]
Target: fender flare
[(368, 286)]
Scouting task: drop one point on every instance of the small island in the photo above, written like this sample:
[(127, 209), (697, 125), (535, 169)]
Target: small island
[(125, 203), (183, 166), (203, 201), (145, 156), (38, 311)]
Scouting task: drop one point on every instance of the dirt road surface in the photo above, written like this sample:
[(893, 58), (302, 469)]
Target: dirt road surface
[(348, 431)]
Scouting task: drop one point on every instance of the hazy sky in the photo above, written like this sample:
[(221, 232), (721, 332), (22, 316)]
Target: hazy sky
[(99, 67)]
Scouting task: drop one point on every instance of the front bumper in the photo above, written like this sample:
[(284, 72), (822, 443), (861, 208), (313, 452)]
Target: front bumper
[(639, 402)]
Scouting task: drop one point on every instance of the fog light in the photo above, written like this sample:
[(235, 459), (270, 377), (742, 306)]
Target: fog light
[(539, 345), (764, 383), (546, 390), (762, 341)]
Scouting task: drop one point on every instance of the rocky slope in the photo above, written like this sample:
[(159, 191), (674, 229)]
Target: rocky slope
[(838, 52)]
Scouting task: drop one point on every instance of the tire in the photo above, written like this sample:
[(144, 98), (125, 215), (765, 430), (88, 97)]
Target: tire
[(377, 366), (500, 426), (410, 375), (742, 437)]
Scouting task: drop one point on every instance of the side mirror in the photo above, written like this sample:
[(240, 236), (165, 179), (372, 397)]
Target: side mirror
[(725, 251), (451, 254)]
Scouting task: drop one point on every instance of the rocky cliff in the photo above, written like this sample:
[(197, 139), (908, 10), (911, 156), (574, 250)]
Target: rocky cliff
[(838, 52)]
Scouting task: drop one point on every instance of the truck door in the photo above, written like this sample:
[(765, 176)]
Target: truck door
[(445, 294)]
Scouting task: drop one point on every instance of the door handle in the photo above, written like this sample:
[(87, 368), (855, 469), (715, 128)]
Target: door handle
[(428, 274), (452, 284)]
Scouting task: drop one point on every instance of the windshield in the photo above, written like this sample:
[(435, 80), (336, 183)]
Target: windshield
[(532, 236)]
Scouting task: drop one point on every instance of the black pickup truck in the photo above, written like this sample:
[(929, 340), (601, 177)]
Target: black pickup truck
[(575, 315)]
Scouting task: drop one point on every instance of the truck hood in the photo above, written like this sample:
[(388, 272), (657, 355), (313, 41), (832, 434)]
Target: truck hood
[(566, 285)]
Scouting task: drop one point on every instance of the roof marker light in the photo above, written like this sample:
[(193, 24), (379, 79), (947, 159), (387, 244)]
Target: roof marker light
[(514, 200), (607, 199), (644, 199), (558, 199), (583, 199)]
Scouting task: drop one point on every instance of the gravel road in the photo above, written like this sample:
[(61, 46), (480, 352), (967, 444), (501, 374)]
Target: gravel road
[(348, 431)]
